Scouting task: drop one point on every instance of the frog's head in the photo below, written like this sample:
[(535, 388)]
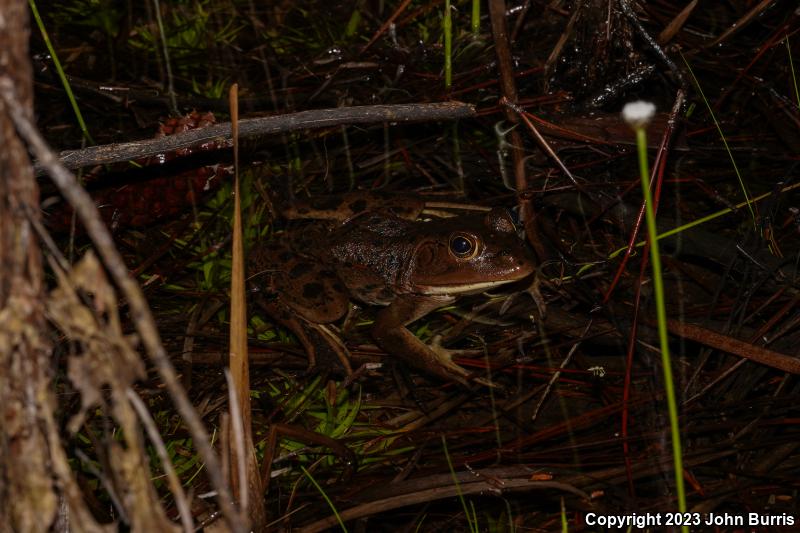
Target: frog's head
[(467, 254)]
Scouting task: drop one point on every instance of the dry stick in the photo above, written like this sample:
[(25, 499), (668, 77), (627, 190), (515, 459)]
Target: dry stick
[(243, 454), (221, 133), (627, 10), (743, 21), (521, 15), (140, 312), (385, 26), (347, 456), (236, 428), (676, 24), (500, 480), (557, 374), (167, 63), (543, 144), (497, 14), (713, 339), (172, 478), (466, 487), (187, 353), (238, 374)]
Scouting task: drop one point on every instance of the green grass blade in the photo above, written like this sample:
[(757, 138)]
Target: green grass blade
[(707, 218), (324, 495), (794, 74), (724, 141), (60, 70), (170, 87), (473, 524)]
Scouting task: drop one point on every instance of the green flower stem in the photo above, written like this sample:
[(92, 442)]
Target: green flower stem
[(661, 316)]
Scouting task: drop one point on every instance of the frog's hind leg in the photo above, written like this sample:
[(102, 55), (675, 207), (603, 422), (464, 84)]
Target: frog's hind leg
[(323, 347), (303, 296), (332, 343)]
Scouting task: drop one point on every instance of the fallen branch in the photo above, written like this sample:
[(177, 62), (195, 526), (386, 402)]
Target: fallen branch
[(221, 133), (712, 339)]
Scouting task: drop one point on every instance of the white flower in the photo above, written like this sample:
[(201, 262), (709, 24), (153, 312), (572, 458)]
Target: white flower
[(638, 114)]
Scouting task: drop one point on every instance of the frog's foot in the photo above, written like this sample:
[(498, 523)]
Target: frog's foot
[(390, 333), (444, 357)]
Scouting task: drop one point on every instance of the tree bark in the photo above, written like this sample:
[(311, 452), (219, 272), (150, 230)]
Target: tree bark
[(28, 499)]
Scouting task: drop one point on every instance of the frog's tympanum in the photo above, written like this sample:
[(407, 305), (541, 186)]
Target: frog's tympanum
[(376, 251)]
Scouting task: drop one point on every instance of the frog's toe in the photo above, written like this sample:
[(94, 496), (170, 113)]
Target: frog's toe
[(444, 357), (487, 383)]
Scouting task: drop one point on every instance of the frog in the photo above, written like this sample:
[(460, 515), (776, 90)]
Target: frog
[(383, 251)]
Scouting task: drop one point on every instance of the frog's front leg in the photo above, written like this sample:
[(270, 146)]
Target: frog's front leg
[(391, 334)]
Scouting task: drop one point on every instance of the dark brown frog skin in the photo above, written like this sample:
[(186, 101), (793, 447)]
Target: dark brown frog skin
[(377, 252)]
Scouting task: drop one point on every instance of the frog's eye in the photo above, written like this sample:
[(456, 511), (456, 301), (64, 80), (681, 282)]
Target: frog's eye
[(462, 246)]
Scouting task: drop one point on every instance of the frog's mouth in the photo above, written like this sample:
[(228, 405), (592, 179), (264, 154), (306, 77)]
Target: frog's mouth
[(464, 288)]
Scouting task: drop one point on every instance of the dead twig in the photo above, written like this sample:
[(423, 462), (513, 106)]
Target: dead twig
[(221, 133), (172, 478), (466, 487), (497, 14), (728, 344)]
